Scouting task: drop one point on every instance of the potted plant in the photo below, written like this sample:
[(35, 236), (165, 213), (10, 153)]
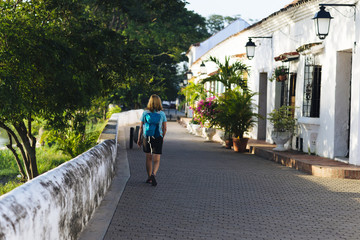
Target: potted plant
[(281, 73), (284, 126), (204, 112), (195, 126), (222, 120), (239, 111)]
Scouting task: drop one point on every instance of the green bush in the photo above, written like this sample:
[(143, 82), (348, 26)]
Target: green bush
[(61, 147), (282, 119), (73, 143), (7, 163), (7, 187), (113, 110), (47, 159)]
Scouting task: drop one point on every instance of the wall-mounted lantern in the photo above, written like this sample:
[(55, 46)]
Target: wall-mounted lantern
[(322, 19), (189, 75), (250, 47)]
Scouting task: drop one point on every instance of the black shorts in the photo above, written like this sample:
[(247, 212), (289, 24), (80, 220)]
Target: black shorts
[(154, 146)]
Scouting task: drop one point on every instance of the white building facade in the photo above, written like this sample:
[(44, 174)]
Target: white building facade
[(323, 81)]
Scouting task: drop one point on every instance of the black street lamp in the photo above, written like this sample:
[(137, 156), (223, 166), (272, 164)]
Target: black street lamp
[(322, 23), (322, 19), (189, 75), (250, 47)]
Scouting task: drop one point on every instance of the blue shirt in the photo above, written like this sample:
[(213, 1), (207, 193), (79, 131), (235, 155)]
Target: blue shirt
[(162, 119)]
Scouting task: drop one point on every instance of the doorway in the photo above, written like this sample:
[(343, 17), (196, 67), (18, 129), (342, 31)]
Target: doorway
[(261, 134), (342, 105)]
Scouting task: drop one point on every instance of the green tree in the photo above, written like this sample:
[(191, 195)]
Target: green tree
[(58, 58), (216, 23), (193, 92), (157, 34), (51, 57)]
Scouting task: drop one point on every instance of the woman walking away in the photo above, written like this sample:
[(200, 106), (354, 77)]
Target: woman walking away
[(152, 130)]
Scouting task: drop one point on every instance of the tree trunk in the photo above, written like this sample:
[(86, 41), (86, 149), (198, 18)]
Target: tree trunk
[(19, 145), (28, 145), (10, 147)]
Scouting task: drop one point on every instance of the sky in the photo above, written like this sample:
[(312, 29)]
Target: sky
[(248, 9)]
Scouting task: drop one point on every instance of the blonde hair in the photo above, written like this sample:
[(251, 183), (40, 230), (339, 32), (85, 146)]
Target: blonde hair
[(154, 103)]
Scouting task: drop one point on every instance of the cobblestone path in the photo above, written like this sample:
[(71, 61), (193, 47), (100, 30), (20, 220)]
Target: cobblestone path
[(207, 192)]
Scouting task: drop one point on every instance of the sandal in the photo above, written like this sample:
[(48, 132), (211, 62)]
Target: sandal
[(149, 180), (153, 180)]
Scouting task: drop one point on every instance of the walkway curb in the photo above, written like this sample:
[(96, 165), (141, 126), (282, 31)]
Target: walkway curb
[(314, 165), (100, 221), (311, 164)]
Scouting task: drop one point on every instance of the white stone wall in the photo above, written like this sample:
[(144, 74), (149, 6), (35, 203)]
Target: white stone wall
[(59, 203), (355, 98), (128, 118)]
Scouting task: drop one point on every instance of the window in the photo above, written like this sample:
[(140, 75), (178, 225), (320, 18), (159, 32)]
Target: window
[(312, 83), (284, 90)]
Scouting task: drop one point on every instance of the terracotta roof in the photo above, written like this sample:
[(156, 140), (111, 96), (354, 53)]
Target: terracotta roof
[(292, 3), (213, 73), (307, 46), (240, 55), (287, 56)]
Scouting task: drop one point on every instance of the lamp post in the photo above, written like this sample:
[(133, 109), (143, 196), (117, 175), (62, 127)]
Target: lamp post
[(322, 19), (250, 47)]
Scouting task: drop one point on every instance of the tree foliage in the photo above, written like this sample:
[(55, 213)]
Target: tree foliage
[(158, 34), (193, 93), (57, 58), (236, 111), (51, 57), (216, 23), (229, 74)]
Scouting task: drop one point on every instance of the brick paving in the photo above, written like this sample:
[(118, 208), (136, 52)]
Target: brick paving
[(207, 192)]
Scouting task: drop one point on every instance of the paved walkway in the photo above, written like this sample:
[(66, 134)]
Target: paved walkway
[(207, 192)]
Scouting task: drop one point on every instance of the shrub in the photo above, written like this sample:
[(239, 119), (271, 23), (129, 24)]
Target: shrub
[(282, 119), (205, 111)]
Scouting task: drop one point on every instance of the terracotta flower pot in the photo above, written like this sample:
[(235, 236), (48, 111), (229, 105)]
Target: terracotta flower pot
[(240, 144), (281, 78), (228, 143)]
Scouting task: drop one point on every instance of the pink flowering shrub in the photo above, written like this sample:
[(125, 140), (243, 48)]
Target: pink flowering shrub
[(204, 112)]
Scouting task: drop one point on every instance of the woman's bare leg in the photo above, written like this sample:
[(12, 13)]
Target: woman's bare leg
[(149, 164), (156, 159)]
